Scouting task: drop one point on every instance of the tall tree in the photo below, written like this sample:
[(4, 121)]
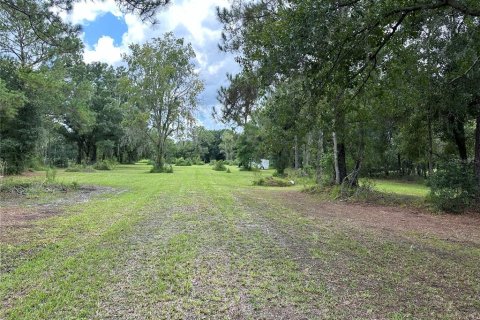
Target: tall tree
[(164, 88)]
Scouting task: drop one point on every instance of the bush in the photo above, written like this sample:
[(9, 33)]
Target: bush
[(453, 187), (228, 170), (164, 169), (180, 162), (198, 162), (219, 166), (273, 182), (105, 165), (35, 188)]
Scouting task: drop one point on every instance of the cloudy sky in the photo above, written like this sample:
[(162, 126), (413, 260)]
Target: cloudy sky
[(107, 33)]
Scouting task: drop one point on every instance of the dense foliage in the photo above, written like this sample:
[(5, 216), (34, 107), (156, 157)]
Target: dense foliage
[(358, 87)]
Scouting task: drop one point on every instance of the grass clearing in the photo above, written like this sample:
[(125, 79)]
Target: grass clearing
[(402, 188), (204, 243)]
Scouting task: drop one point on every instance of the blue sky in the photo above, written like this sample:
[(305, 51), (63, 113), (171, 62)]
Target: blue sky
[(107, 32)]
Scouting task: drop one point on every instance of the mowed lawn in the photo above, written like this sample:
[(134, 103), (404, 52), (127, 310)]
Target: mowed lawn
[(205, 244), (401, 188)]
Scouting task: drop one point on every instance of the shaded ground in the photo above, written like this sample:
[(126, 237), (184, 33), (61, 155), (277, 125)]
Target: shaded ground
[(462, 228), (205, 244)]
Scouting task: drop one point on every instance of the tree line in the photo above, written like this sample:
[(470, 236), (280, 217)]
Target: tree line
[(55, 109), (359, 88)]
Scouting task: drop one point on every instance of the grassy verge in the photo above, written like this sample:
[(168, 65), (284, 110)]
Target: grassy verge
[(402, 188)]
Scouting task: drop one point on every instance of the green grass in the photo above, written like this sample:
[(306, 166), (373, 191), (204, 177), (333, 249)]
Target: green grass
[(402, 188), (200, 243)]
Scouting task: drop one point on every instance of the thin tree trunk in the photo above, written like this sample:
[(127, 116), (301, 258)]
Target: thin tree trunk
[(297, 162), (399, 162), (306, 155), (342, 162), (319, 157), (477, 151), (335, 159), (160, 159), (430, 147), (79, 151)]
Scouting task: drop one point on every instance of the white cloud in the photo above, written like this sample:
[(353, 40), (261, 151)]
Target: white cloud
[(137, 30), (191, 14), (103, 51), (84, 11), (214, 68)]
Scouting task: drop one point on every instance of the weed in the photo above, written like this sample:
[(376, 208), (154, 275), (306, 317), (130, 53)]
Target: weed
[(50, 175)]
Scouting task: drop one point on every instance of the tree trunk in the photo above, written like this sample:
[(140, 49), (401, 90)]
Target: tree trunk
[(342, 161), (79, 151), (160, 156), (430, 147), (306, 151), (399, 162), (319, 157), (93, 153), (297, 161), (477, 151), (335, 159), (458, 130)]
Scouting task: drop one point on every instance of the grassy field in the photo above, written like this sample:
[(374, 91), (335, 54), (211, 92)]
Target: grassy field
[(402, 188), (205, 244)]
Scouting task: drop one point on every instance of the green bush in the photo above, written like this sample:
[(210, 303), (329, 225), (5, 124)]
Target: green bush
[(453, 187), (104, 165), (164, 169), (219, 166), (228, 170), (180, 162), (272, 182), (35, 188), (198, 162)]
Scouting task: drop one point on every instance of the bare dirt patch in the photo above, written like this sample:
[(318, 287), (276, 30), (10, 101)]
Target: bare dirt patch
[(19, 212), (462, 228)]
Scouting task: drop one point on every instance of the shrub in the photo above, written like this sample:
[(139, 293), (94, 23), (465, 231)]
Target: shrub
[(453, 187), (29, 188), (104, 165), (164, 169), (180, 162), (198, 162), (228, 170), (273, 182), (219, 166)]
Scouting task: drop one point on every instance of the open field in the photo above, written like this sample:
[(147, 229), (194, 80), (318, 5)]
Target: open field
[(205, 244)]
